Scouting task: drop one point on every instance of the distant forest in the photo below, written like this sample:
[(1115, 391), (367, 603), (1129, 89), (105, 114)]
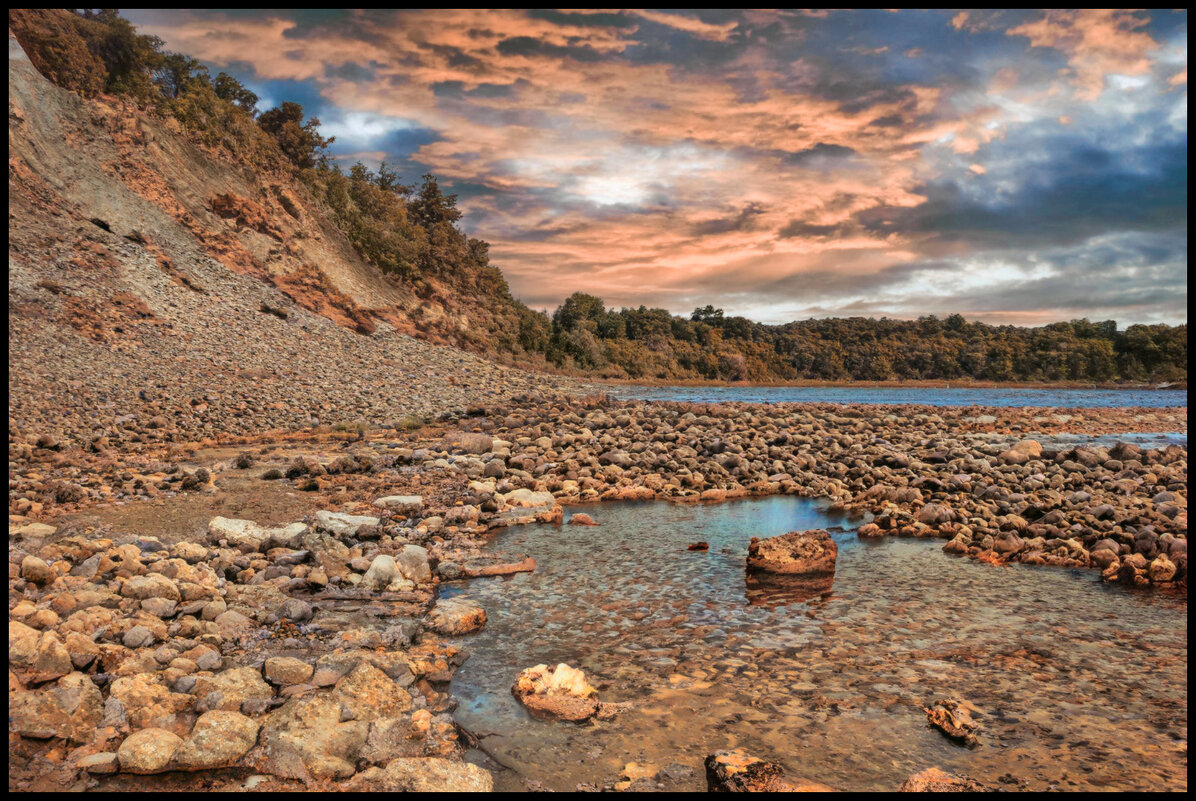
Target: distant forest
[(412, 234)]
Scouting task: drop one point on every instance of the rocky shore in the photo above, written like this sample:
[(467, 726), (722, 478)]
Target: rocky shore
[(263, 610)]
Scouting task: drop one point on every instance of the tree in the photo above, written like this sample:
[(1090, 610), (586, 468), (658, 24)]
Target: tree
[(229, 88), (707, 314), (431, 207), (299, 140)]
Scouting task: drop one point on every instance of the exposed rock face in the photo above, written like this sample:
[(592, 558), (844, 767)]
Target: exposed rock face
[(933, 780), (737, 772), (796, 553), (456, 616)]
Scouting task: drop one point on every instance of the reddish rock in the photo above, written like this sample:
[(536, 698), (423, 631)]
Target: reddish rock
[(796, 553)]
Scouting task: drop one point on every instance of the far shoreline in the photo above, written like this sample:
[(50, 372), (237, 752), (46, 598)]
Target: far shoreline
[(899, 384)]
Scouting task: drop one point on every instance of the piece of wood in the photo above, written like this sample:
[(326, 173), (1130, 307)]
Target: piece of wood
[(526, 566)]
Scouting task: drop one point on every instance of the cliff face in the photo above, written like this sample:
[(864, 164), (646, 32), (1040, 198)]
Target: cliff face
[(141, 265)]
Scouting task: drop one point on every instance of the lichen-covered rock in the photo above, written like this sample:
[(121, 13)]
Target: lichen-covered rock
[(283, 670), (306, 738), (148, 750), (219, 739), (233, 687)]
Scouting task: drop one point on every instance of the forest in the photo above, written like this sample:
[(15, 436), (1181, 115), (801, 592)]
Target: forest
[(412, 233)]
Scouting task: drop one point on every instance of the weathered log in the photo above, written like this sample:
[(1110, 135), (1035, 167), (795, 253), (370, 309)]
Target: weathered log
[(526, 566)]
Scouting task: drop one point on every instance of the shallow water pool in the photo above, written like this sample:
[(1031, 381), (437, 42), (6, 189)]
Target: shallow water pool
[(1079, 685)]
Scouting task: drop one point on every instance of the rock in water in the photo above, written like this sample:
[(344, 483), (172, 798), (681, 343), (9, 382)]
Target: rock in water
[(456, 616), (933, 780), (954, 719), (562, 693), (796, 553), (737, 772)]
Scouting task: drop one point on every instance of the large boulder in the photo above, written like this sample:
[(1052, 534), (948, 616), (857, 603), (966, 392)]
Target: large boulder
[(307, 739), (796, 553)]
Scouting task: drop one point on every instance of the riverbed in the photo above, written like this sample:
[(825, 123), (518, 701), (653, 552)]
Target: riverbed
[(1078, 685)]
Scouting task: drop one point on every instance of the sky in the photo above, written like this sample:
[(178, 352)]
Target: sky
[(1017, 167)]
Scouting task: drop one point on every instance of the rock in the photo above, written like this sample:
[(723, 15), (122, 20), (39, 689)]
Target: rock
[(401, 504), (1022, 452), (343, 525), (37, 571), (70, 709), (219, 739), (798, 552), (368, 693), (423, 775), (138, 637), (413, 564), (382, 572), (232, 688), (954, 719), (102, 763), (152, 585), (234, 625), (562, 693), (148, 750), (245, 535), (474, 443), (1161, 570), (36, 656), (698, 546), (933, 514), (737, 772), (284, 670), (581, 519), (307, 739), (933, 780), (296, 610), (456, 616)]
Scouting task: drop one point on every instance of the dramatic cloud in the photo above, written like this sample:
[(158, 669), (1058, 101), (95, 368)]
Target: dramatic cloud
[(1014, 166)]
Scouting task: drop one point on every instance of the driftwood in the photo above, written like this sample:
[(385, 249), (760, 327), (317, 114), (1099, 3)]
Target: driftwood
[(526, 566)]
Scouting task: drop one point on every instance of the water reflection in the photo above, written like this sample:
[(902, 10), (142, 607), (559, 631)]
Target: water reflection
[(1079, 685)]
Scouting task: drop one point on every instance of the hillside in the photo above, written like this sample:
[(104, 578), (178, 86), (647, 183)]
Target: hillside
[(156, 287)]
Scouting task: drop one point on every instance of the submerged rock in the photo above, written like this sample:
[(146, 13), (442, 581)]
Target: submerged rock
[(954, 719), (737, 772), (933, 780)]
